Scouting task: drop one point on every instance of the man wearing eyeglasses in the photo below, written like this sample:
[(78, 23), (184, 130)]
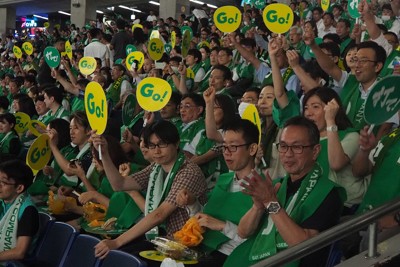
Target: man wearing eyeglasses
[(163, 179), (227, 204), (19, 218), (301, 205), (369, 62)]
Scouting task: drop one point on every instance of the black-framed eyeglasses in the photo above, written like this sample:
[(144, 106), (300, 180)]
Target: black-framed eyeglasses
[(232, 148), (296, 149), (4, 183), (160, 145), (186, 106), (362, 62)]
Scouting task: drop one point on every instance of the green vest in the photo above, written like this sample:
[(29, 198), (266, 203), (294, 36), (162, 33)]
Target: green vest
[(388, 67)]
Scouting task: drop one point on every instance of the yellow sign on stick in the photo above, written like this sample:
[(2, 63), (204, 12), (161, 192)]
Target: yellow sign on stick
[(87, 65), (22, 122), (68, 49), (278, 18), (96, 107), (227, 18), (153, 93), (17, 51), (251, 114), (155, 48), (33, 125), (39, 153), (138, 56), (28, 48)]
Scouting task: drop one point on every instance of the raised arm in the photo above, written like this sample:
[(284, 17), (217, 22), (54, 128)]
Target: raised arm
[(117, 182), (211, 127), (247, 55), (306, 80), (362, 166), (275, 47), (323, 60)]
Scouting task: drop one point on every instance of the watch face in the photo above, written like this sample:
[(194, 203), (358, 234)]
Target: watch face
[(273, 207)]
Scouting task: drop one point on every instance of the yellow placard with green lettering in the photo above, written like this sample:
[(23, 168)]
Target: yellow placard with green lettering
[(154, 34), (22, 122), (96, 107), (17, 51), (153, 93), (325, 4), (278, 18), (68, 49), (137, 55), (34, 124), (57, 26), (28, 48), (173, 39), (155, 48), (227, 18), (185, 43), (134, 26), (203, 44), (251, 114), (39, 153), (87, 65), (46, 24)]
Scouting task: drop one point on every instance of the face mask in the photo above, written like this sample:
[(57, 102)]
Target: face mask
[(385, 17)]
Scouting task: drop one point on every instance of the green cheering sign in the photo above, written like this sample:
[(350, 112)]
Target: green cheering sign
[(39, 153), (128, 110), (96, 107), (52, 57), (227, 18), (383, 101), (153, 94), (278, 18), (130, 48)]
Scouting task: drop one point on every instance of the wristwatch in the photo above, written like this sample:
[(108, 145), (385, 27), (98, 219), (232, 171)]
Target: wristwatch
[(273, 207), (332, 128)]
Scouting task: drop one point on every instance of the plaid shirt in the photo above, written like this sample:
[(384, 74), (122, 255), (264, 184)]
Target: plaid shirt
[(188, 177)]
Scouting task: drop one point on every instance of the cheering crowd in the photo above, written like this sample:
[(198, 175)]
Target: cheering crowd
[(313, 162)]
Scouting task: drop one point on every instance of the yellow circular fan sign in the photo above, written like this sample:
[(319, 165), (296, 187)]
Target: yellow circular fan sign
[(22, 122), (153, 93), (96, 107), (278, 18), (173, 39), (34, 124), (39, 153), (17, 51), (87, 65), (251, 114), (325, 4), (155, 48), (46, 25), (137, 55), (227, 18), (28, 48), (68, 49)]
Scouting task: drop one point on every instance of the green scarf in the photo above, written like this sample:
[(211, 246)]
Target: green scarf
[(313, 190), (73, 180), (59, 114), (224, 205), (354, 105), (389, 63), (132, 123), (158, 188), (113, 94), (285, 77)]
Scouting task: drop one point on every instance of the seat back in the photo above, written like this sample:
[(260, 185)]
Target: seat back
[(121, 259), (82, 252), (55, 245)]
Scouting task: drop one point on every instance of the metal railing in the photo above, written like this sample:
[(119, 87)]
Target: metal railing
[(333, 234)]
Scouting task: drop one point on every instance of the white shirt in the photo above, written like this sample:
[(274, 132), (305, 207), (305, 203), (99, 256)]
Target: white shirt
[(97, 49)]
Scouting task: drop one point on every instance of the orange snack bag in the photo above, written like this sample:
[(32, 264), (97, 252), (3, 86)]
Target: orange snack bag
[(191, 233)]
